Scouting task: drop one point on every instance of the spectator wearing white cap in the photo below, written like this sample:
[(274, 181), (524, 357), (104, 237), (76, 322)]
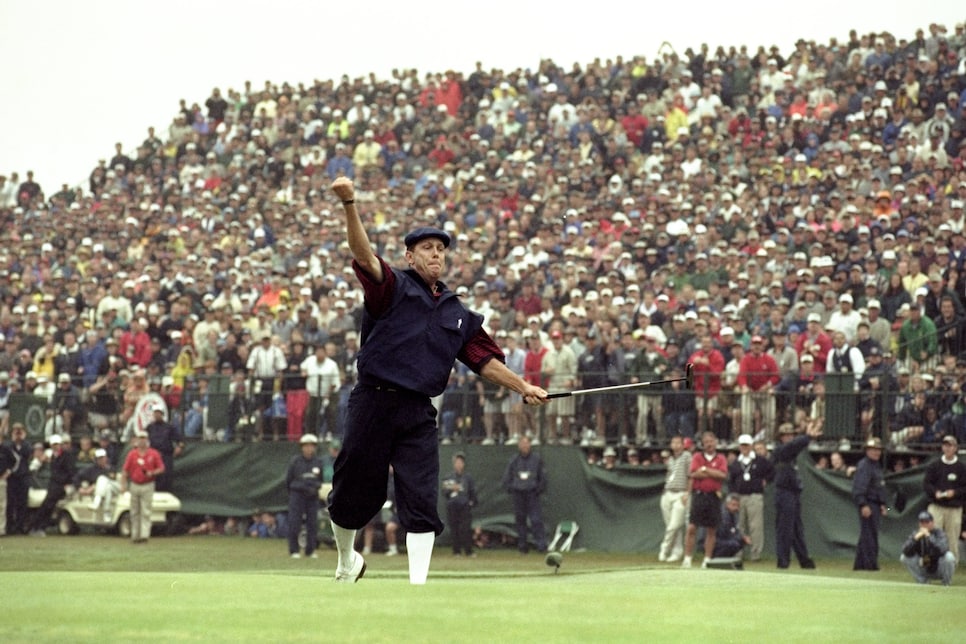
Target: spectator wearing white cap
[(367, 152), (845, 318), (880, 329), (99, 481), (141, 468), (359, 112), (814, 341), (758, 375)]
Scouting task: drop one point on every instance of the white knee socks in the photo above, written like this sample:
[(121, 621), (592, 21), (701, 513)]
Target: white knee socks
[(419, 548), (345, 540)]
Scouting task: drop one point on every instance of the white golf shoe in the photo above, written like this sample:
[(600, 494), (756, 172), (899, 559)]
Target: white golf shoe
[(355, 573)]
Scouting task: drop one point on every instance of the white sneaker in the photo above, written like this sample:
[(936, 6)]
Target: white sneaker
[(295, 555), (704, 563), (367, 551), (513, 440), (662, 557), (93, 505), (355, 573), (392, 551), (314, 555), (486, 441), (674, 558), (686, 562)]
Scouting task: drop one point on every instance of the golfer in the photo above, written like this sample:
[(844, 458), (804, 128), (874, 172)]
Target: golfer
[(413, 329)]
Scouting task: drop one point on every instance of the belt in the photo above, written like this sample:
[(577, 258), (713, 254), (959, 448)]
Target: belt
[(382, 385)]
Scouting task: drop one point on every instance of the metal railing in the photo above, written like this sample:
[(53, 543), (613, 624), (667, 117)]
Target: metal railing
[(226, 408)]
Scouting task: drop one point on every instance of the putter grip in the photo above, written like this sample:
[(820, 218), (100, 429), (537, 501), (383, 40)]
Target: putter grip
[(563, 394)]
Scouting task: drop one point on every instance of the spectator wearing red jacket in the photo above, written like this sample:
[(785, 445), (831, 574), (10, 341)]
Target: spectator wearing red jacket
[(757, 376), (813, 337), (135, 343), (142, 466), (709, 364)]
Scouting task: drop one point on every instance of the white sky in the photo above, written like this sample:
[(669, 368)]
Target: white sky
[(80, 76)]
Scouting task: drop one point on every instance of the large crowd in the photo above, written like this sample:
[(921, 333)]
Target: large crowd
[(640, 213)]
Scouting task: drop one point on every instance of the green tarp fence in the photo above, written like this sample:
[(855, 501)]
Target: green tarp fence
[(616, 510)]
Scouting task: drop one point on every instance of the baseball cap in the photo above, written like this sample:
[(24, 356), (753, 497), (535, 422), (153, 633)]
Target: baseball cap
[(949, 438), (425, 232), (140, 434), (308, 439), (745, 439), (55, 439), (99, 452), (925, 516), (556, 334)]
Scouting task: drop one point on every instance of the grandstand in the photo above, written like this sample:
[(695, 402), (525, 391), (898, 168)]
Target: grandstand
[(660, 209)]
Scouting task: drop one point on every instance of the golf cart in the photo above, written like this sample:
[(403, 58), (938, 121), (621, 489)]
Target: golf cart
[(73, 511)]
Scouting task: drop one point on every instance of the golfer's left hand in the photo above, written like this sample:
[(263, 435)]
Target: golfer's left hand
[(533, 395)]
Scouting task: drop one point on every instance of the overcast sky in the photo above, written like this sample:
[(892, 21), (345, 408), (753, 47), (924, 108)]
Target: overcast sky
[(80, 76)]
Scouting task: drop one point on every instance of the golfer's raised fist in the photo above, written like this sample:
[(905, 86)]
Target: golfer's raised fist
[(343, 188)]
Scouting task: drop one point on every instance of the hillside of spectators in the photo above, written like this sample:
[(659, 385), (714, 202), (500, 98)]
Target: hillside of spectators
[(644, 210)]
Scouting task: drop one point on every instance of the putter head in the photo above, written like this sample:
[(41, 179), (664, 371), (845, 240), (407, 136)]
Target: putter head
[(689, 376)]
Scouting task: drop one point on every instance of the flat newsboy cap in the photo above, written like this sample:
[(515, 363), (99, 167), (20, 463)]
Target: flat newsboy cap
[(423, 232)]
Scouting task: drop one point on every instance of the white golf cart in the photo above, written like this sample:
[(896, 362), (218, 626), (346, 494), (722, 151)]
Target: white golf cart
[(73, 511)]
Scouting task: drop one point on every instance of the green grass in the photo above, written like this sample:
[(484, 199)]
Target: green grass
[(102, 588)]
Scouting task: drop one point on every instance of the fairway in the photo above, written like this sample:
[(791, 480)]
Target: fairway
[(90, 588)]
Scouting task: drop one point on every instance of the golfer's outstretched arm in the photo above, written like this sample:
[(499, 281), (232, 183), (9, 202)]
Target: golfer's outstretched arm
[(355, 231), (497, 372)]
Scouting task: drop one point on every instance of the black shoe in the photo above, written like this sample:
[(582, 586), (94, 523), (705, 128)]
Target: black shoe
[(808, 564)]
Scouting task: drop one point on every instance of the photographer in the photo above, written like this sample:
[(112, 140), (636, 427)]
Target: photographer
[(926, 553)]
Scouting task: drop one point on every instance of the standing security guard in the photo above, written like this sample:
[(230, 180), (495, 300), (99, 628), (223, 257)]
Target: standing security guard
[(303, 480), (18, 483), (747, 477), (166, 439), (525, 480), (459, 490), (868, 492), (789, 530)]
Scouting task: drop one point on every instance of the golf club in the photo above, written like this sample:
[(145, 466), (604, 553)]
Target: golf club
[(688, 381)]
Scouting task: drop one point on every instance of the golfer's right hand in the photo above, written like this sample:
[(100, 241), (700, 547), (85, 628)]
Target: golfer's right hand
[(343, 188), (534, 395)]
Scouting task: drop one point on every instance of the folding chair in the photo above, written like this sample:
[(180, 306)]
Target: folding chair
[(566, 531)]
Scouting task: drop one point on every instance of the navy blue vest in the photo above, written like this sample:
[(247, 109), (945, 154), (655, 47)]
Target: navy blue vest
[(415, 343)]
